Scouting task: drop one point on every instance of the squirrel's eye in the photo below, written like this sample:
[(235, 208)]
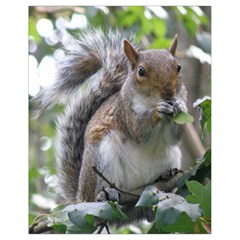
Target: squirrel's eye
[(179, 68), (141, 71)]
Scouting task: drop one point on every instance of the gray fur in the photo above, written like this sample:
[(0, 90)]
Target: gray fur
[(117, 101), (92, 51)]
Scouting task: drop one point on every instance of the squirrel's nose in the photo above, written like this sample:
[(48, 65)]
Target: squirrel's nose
[(168, 94)]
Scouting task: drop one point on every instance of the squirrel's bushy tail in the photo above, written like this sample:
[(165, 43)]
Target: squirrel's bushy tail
[(91, 51), (94, 55)]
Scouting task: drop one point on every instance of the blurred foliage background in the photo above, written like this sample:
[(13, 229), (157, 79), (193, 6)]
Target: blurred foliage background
[(50, 28)]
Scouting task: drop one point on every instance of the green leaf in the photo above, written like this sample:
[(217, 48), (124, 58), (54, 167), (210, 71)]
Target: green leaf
[(200, 171), (204, 105), (78, 219), (149, 197), (200, 194), (154, 229), (58, 219), (188, 174), (73, 229), (169, 210), (61, 228), (117, 211), (83, 215), (63, 222), (90, 219), (182, 118), (182, 225), (98, 209)]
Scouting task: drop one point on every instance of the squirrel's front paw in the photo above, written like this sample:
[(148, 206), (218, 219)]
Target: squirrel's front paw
[(169, 173), (178, 106), (165, 107), (108, 194)]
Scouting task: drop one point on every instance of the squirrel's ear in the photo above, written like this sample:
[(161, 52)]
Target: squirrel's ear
[(131, 53), (173, 45)]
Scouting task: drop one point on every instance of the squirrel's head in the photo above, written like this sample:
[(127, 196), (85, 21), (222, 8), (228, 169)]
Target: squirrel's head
[(155, 72)]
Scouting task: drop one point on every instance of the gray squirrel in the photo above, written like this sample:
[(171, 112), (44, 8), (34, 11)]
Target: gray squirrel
[(121, 123)]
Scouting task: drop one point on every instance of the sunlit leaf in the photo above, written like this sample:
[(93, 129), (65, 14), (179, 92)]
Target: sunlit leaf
[(169, 210), (149, 197), (182, 118)]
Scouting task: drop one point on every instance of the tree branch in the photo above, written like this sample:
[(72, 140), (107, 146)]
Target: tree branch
[(112, 185), (127, 198), (162, 185), (39, 227), (133, 196), (103, 225)]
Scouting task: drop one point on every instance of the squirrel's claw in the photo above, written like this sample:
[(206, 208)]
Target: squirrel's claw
[(178, 106), (165, 107)]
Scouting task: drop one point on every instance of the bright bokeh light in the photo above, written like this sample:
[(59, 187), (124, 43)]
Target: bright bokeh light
[(197, 10), (78, 21), (198, 53), (147, 14), (44, 27), (42, 74), (104, 9), (46, 143), (59, 54), (52, 39), (159, 11), (47, 69), (43, 202), (33, 86), (182, 10), (60, 23)]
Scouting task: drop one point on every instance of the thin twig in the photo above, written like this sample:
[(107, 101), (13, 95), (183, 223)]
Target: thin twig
[(112, 185), (101, 227), (107, 228)]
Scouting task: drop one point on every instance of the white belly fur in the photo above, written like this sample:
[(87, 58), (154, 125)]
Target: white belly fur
[(130, 166)]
